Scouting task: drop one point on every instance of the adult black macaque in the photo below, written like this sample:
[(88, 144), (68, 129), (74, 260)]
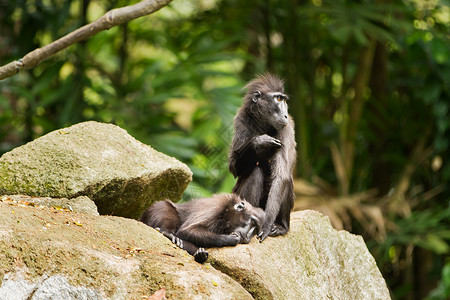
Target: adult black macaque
[(223, 220), (262, 154)]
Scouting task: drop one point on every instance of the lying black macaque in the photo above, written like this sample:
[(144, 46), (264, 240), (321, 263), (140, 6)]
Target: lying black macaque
[(262, 153), (223, 220)]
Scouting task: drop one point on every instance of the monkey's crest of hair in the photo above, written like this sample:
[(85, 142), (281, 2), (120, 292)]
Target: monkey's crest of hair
[(265, 83)]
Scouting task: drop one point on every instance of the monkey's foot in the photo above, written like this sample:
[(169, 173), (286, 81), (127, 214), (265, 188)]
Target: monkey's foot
[(176, 240), (262, 236), (201, 255), (277, 230)]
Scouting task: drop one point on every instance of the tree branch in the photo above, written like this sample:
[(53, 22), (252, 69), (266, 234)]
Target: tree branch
[(111, 18)]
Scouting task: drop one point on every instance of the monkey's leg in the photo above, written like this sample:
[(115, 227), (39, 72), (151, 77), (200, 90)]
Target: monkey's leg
[(281, 225), (279, 204), (252, 188), (201, 236), (200, 254)]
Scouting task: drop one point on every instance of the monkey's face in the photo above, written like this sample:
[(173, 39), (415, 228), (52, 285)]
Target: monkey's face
[(246, 221), (272, 107)]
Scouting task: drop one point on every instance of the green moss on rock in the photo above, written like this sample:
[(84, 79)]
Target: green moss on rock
[(101, 161), (313, 261), (118, 257)]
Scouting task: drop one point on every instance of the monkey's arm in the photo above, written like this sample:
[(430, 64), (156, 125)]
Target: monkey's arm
[(244, 157), (202, 237), (280, 199), (278, 208)]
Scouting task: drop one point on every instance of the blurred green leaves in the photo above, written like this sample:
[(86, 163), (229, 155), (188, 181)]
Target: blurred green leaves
[(174, 79), (442, 291), (427, 229)]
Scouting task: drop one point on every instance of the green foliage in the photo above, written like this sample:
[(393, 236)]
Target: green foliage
[(174, 80), (443, 289), (428, 229)]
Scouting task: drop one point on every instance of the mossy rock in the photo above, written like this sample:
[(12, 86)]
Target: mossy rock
[(313, 261), (97, 257), (101, 161)]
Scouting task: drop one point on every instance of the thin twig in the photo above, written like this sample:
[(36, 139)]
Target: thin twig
[(111, 18)]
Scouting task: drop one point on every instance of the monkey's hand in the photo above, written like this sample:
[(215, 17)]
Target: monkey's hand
[(266, 141), (265, 145), (233, 239)]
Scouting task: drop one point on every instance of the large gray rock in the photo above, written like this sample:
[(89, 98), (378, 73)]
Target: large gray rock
[(47, 254), (102, 161), (109, 257), (314, 261)]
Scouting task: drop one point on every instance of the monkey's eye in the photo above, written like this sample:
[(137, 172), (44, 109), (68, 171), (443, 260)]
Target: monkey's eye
[(280, 98)]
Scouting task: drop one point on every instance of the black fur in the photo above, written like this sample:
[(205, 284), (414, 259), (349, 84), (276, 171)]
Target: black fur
[(223, 220), (262, 154)]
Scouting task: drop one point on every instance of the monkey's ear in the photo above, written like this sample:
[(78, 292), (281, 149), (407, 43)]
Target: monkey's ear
[(256, 96), (239, 206)]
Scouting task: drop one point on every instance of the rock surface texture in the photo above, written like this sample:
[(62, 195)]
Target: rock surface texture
[(102, 257), (106, 257), (101, 161), (314, 261), (81, 204)]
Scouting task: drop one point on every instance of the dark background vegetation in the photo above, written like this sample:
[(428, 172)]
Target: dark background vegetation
[(369, 83)]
